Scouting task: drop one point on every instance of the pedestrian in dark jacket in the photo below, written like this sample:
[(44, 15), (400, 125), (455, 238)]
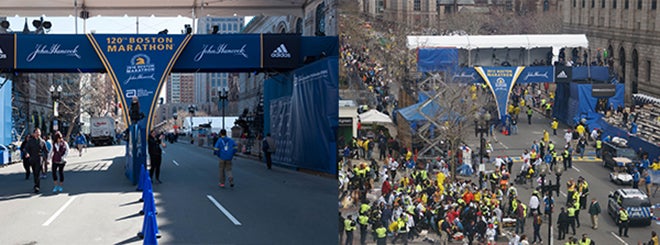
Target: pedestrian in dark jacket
[(563, 222), (26, 163), (35, 152), (594, 211)]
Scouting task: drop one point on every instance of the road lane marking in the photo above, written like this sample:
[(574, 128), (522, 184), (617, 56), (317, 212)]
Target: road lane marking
[(563, 194), (619, 238), (505, 147), (217, 204), (175, 163), (59, 211), (576, 169)]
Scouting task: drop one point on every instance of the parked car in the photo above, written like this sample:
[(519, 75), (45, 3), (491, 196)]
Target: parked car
[(613, 150), (635, 202)]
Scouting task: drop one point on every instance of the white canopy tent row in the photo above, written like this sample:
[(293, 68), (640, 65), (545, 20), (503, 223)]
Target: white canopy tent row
[(375, 117), (483, 49)]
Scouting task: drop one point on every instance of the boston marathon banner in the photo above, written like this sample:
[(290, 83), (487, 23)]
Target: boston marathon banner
[(54, 52), (138, 65), (500, 80)]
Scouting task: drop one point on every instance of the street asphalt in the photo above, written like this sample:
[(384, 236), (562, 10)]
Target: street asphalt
[(100, 206)]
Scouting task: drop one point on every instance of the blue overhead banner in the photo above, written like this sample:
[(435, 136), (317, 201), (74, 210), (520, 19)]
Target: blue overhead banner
[(536, 74), (6, 52), (138, 64), (281, 51), (500, 80), (233, 52), (55, 53), (437, 59)]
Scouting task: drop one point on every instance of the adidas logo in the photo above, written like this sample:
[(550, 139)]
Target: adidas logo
[(280, 52), (2, 55), (562, 74)]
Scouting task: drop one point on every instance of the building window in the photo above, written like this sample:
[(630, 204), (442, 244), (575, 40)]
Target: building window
[(417, 5), (614, 4), (593, 3), (648, 71), (602, 4), (639, 4), (583, 3), (320, 20), (299, 25), (625, 4), (575, 3), (654, 4)]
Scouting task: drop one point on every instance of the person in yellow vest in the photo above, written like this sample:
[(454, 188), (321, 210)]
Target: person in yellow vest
[(585, 240), (543, 101), (554, 125), (576, 205), (656, 165), (365, 147), (529, 115), (363, 219), (360, 144), (623, 222), (408, 154), (570, 188), (548, 109), (583, 188), (522, 103), (581, 130), (599, 146), (654, 239), (546, 136), (381, 235), (349, 227), (571, 210)]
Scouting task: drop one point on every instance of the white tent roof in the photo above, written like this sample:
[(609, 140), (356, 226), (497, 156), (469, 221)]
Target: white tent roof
[(500, 41), (374, 116), (153, 7)]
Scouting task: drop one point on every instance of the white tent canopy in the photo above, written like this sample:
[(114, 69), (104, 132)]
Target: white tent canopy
[(373, 116), (190, 8), (499, 41)]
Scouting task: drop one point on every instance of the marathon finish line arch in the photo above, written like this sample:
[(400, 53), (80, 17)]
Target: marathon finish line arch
[(139, 65)]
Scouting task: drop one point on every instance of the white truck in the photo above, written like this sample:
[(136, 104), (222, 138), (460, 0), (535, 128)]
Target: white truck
[(102, 130)]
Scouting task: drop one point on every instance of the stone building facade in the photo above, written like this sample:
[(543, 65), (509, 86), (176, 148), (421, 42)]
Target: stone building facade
[(628, 30)]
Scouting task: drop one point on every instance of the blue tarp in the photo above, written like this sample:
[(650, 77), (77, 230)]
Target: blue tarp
[(314, 116), (5, 108), (437, 59), (579, 103), (633, 141)]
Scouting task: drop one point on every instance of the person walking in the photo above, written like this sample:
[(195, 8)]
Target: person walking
[(341, 228), (59, 153), (537, 227), (623, 222), (349, 227), (35, 151), (47, 159), (654, 239), (563, 222), (268, 146), (155, 141), (554, 125), (594, 211), (381, 235), (363, 219), (225, 148), (529, 115), (81, 142), (26, 163)]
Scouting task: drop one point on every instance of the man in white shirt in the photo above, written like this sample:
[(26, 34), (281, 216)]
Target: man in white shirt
[(534, 202)]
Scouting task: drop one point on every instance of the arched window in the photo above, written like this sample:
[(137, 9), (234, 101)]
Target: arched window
[(299, 25), (320, 20), (635, 68), (622, 63)]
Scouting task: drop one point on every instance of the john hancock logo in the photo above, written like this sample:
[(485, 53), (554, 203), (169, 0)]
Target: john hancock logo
[(500, 84), (140, 68), (52, 49)]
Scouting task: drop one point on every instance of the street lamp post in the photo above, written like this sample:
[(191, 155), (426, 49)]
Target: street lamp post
[(482, 128), (191, 109), (223, 94), (55, 93)]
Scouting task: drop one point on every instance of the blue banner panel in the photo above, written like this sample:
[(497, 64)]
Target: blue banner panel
[(500, 80), (44, 53), (6, 52), (437, 59), (314, 106), (213, 52), (598, 73), (466, 75), (536, 74), (281, 51)]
